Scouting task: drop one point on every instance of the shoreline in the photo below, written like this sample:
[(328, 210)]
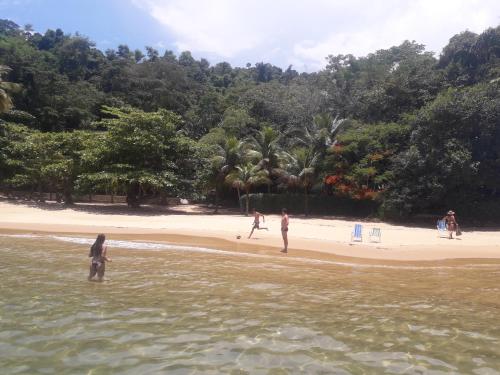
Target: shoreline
[(138, 235), (309, 237)]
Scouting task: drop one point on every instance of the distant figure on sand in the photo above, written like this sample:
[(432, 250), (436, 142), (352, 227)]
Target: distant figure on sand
[(256, 222), (284, 230), (451, 223), (99, 259)]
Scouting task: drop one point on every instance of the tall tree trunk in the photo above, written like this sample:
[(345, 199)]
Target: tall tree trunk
[(270, 181), (216, 199), (68, 197), (163, 197), (239, 199), (247, 198), (132, 199), (40, 193), (306, 201)]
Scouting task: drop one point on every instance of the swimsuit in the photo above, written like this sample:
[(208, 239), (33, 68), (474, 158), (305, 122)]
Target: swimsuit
[(98, 264), (450, 223)]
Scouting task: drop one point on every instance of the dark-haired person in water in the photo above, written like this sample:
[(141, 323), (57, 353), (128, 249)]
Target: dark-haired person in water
[(284, 229), (99, 259), (256, 221)]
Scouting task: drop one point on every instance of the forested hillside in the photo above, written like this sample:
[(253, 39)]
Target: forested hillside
[(396, 133)]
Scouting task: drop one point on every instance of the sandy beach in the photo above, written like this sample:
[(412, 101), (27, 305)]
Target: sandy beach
[(310, 237)]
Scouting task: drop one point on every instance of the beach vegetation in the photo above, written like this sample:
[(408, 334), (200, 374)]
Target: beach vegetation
[(396, 133), (245, 177)]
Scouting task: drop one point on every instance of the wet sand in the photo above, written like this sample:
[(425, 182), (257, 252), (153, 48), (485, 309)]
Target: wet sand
[(317, 238)]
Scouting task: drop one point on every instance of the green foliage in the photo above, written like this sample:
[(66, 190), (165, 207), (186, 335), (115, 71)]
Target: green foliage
[(11, 138), (42, 161), (237, 122), (300, 170), (5, 87), (454, 153), (470, 58), (265, 148), (362, 158), (318, 204), (223, 155), (141, 153), (383, 85), (245, 177), (397, 128)]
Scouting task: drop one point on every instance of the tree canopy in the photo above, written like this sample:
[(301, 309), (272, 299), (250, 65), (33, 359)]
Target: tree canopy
[(401, 128)]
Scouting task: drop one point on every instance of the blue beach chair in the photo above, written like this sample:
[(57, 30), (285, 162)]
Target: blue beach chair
[(375, 235), (356, 234), (441, 227)]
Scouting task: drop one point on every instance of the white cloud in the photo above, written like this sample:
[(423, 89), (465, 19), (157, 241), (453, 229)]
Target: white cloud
[(11, 3), (303, 33)]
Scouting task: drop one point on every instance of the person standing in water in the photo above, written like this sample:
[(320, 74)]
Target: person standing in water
[(256, 221), (451, 223), (284, 229), (98, 254)]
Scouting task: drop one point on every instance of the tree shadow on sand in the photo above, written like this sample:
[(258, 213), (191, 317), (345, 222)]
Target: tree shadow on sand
[(122, 208)]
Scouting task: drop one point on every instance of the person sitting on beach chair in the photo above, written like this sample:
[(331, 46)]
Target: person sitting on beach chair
[(256, 222)]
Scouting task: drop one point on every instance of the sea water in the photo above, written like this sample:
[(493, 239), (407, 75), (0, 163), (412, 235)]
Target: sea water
[(168, 309)]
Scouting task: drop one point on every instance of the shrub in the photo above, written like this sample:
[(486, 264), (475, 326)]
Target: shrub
[(318, 204)]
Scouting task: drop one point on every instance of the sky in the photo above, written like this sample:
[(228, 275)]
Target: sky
[(301, 33)]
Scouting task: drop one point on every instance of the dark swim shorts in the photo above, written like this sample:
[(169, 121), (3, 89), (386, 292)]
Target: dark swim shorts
[(97, 268)]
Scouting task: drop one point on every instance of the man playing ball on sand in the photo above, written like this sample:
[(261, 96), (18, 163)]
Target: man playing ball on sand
[(256, 222), (284, 230)]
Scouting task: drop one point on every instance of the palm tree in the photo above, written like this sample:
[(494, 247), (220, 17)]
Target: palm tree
[(227, 156), (245, 177), (5, 100), (300, 166), (319, 134), (265, 150)]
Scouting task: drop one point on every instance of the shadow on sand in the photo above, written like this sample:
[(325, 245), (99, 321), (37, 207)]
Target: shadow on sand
[(122, 208)]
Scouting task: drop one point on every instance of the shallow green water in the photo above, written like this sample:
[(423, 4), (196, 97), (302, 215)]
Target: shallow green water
[(188, 312)]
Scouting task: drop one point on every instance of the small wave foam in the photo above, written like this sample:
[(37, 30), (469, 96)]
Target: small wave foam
[(156, 246), (21, 235), (137, 245)]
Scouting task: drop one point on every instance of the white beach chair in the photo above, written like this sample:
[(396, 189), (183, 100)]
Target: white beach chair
[(375, 235), (357, 233), (442, 230)]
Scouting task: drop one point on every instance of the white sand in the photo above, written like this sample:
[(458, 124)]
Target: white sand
[(313, 234)]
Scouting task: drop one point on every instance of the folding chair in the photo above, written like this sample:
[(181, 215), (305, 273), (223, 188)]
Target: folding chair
[(441, 227), (375, 235), (356, 234)]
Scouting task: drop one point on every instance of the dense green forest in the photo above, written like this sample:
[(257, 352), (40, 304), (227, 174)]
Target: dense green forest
[(397, 133)]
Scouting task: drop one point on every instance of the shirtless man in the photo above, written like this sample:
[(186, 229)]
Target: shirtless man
[(284, 230), (256, 222)]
